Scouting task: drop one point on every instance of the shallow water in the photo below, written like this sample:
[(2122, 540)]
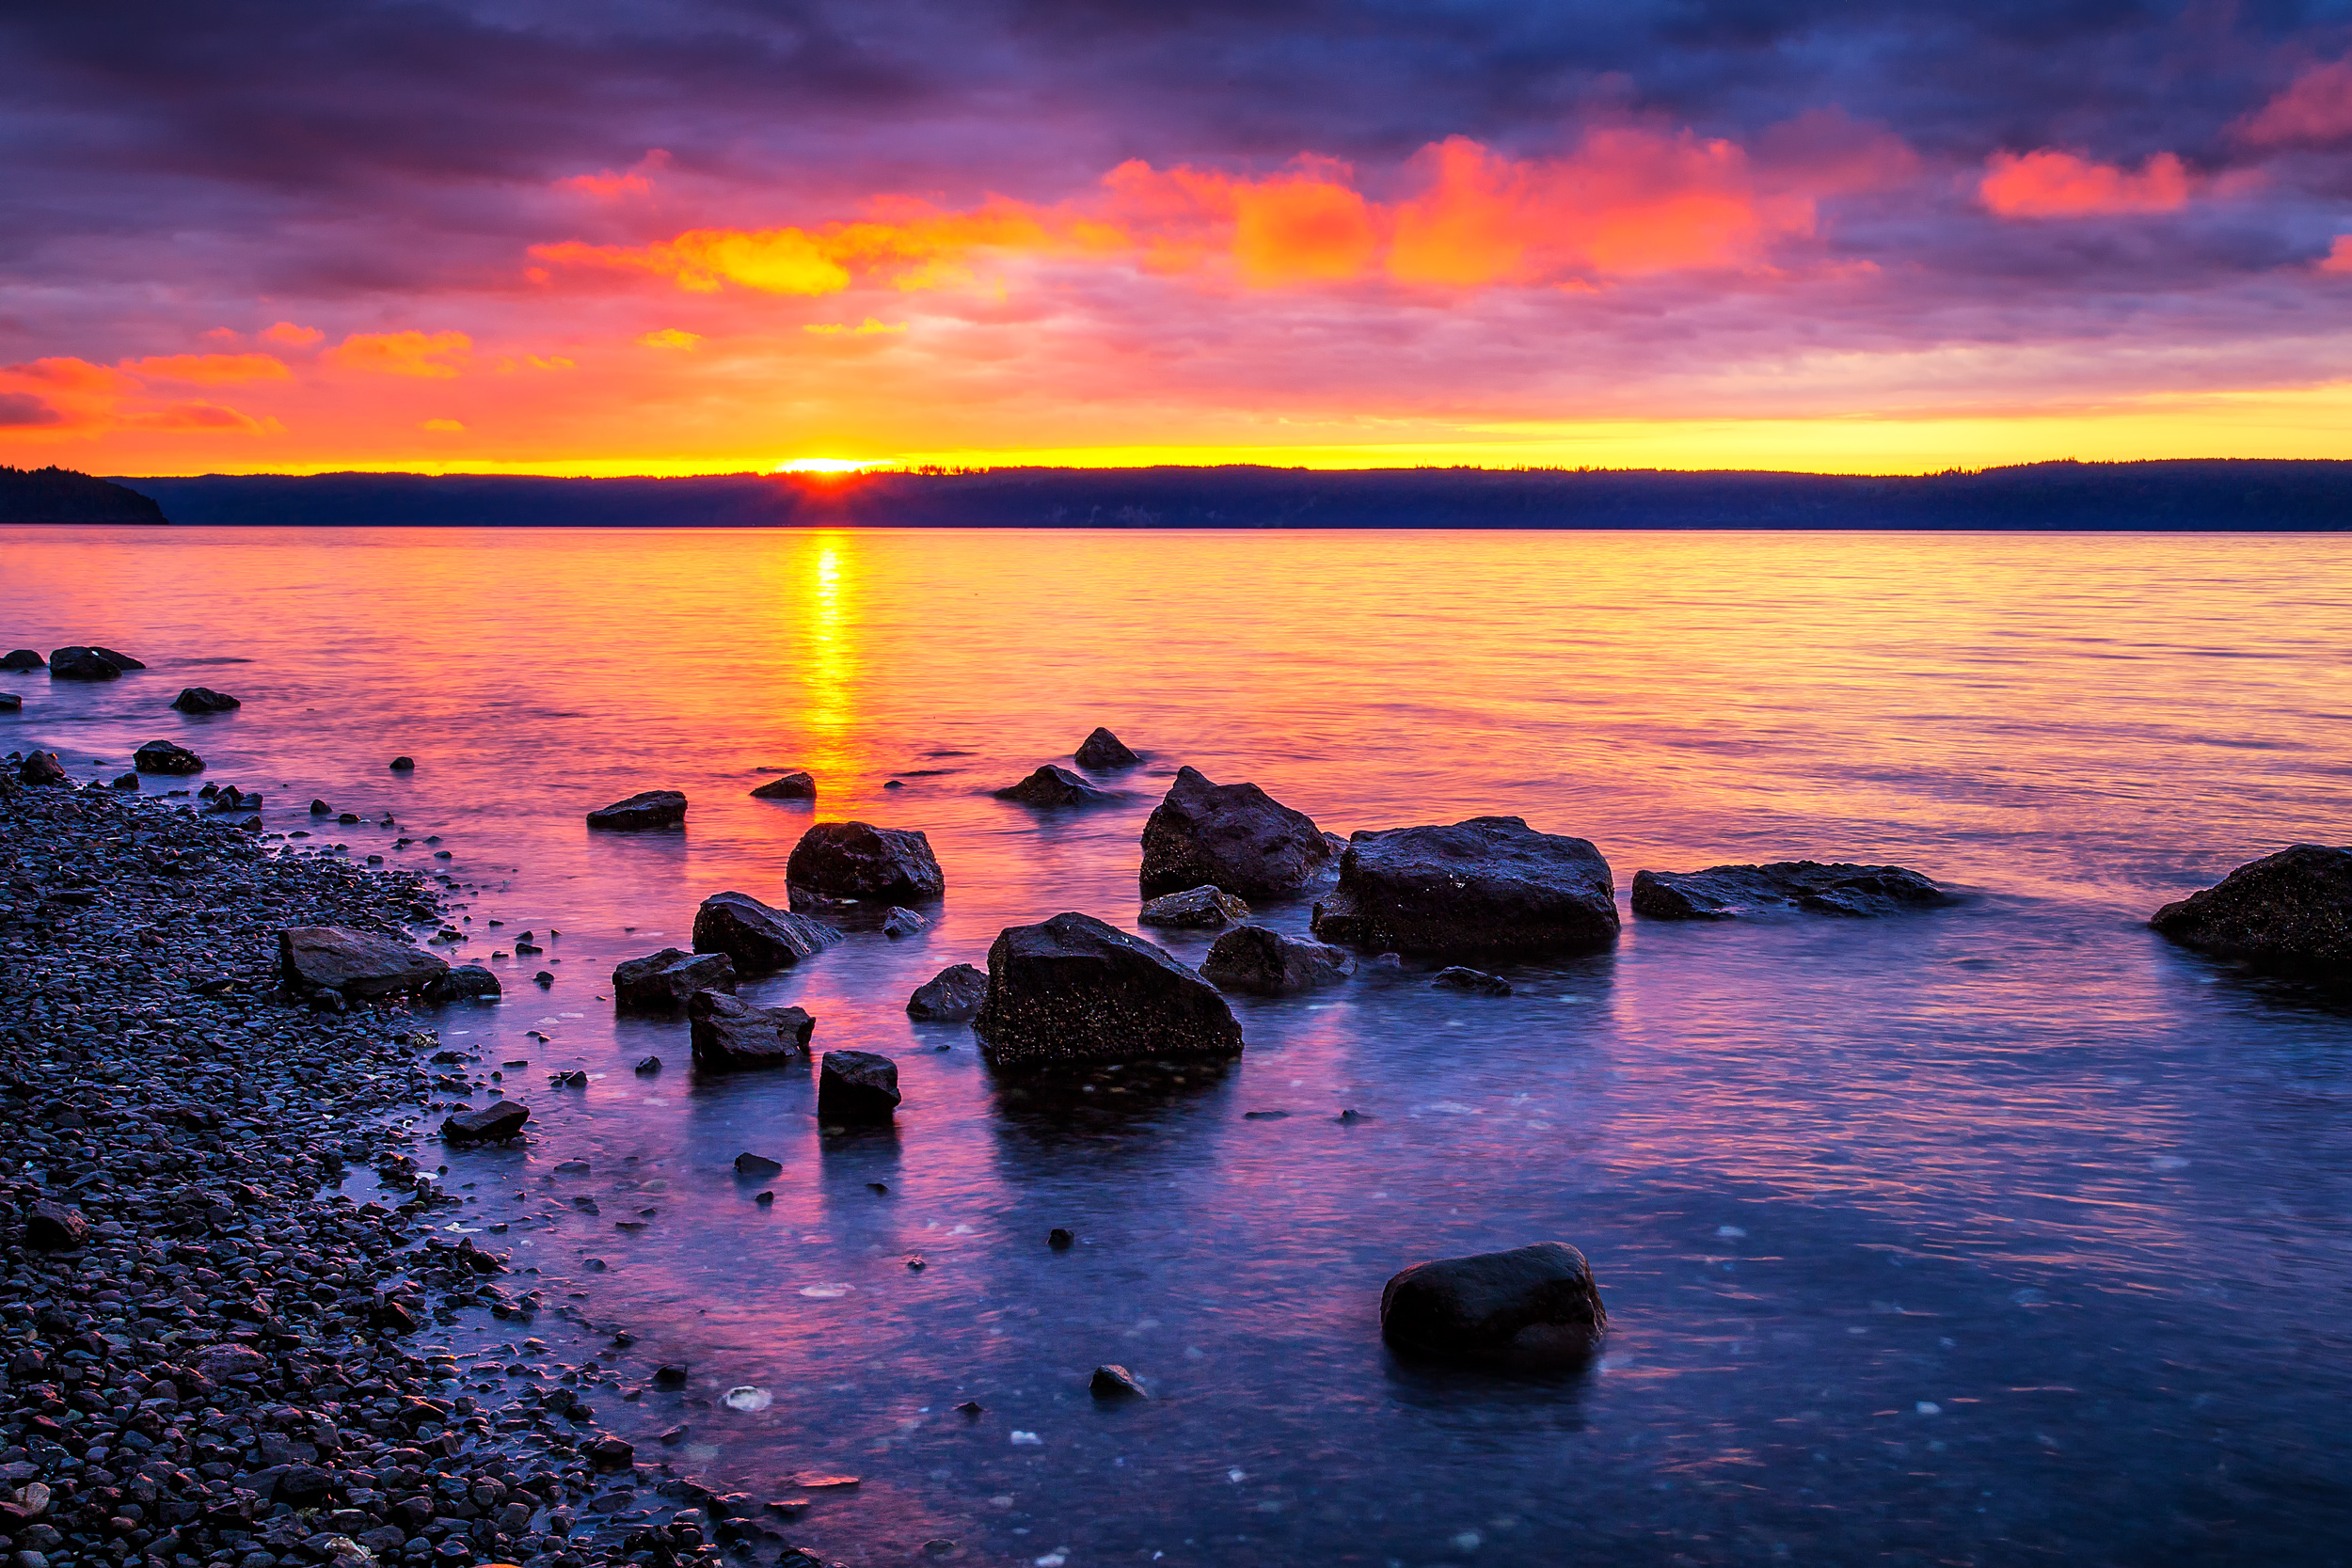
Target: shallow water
[(2002, 1233)]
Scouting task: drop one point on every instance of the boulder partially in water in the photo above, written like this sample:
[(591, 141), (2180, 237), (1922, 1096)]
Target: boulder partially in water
[(856, 1089), (1051, 785), (954, 992), (644, 812), (727, 1032), (499, 1120), (792, 786), (1268, 964), (1531, 1307), (1733, 892), (857, 860), (1477, 982), (466, 983), (667, 980), (10, 701), (1490, 885), (1104, 752), (203, 699), (81, 664), (163, 757), (356, 965), (1074, 990), (23, 658), (43, 767), (1236, 837), (118, 659), (758, 937), (1199, 909), (2290, 910)]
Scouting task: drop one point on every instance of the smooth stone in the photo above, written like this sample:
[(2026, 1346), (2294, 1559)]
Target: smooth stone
[(403, 765), (758, 937), (1457, 978), (668, 979), (1489, 885), (641, 812), (727, 1032), (1202, 909), (954, 992), (856, 860), (1104, 752), (1074, 990), (856, 1087), (464, 983), (81, 664), (1112, 1381), (1254, 958), (1052, 785), (203, 699), (500, 1118), (1533, 1306), (23, 658), (792, 786), (1233, 836), (758, 1165), (2292, 910), (354, 964), (163, 757), (1731, 892)]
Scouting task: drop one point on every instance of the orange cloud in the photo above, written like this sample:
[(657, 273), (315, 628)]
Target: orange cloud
[(2316, 110), (670, 337), (867, 328), (67, 398), (608, 186), (209, 370), (2339, 258), (292, 336), (2049, 183), (442, 426), (438, 354)]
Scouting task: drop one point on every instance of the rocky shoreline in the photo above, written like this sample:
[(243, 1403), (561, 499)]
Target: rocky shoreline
[(211, 1354)]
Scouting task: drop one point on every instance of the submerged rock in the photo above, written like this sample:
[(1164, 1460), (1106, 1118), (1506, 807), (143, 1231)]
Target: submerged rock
[(758, 937), (856, 860), (2291, 910), (729, 1032), (81, 664), (163, 757), (1534, 1307), (1457, 978), (856, 1087), (668, 979), (1104, 752), (500, 1118), (1730, 892), (403, 765), (203, 699), (1073, 990), (10, 701), (1051, 785), (23, 658), (1203, 908), (354, 964), (1266, 962), (792, 786), (954, 992), (641, 813), (466, 983), (900, 922), (1491, 884), (1236, 837)]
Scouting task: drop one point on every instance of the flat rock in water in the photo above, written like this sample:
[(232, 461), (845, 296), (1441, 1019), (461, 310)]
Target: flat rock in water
[(81, 664), (1731, 892), (1233, 836), (354, 964), (1266, 962), (1104, 752), (2292, 910), (954, 992), (758, 937), (1533, 1306), (666, 980), (1457, 978), (856, 860), (500, 1118), (856, 1087), (23, 658), (652, 809), (1051, 785), (792, 786), (1489, 885), (1199, 909), (203, 699), (163, 757), (464, 983), (729, 1032), (1073, 990)]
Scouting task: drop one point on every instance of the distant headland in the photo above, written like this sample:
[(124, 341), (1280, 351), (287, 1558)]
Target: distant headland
[(63, 495)]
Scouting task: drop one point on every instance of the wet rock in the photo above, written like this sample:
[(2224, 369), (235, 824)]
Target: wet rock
[(114, 657), (731, 1032), (1051, 785), (52, 1226), (356, 965), (1489, 885), (1202, 908), (403, 765), (1266, 962), (954, 992), (81, 664), (1533, 1306), (610, 1453), (2292, 910), (163, 757), (792, 786), (1073, 990), (320, 808), (1233, 836), (1730, 892), (1112, 1381), (758, 937), (902, 922), (498, 1120), (10, 701), (757, 1166), (648, 1066), (1477, 981), (856, 860), (644, 812), (43, 767), (466, 983), (666, 981), (1104, 752), (856, 1087), (203, 699), (125, 781), (23, 658), (1060, 1240)]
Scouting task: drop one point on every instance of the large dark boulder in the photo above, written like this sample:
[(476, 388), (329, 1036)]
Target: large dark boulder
[(1051, 785), (792, 786), (1490, 885), (1253, 959), (1534, 1307), (856, 1089), (1233, 837), (729, 1032), (1732, 891), (493, 1123), (1199, 909), (1104, 752), (203, 699), (856, 860), (2291, 910), (466, 983), (23, 658), (666, 980), (641, 812), (758, 937), (163, 757), (81, 664), (43, 767), (1073, 990), (352, 965), (954, 992)]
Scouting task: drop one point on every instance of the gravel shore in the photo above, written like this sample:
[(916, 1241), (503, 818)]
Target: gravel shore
[(211, 1354)]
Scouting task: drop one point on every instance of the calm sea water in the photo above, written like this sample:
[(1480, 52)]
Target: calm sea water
[(2005, 1233)]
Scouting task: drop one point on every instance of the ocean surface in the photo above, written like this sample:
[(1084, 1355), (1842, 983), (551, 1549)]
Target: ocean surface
[(2002, 1233)]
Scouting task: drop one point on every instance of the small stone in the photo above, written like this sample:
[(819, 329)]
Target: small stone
[(1104, 752), (165, 757), (649, 1067), (758, 1165), (902, 922), (1060, 1240), (856, 1087), (954, 994), (792, 786), (1454, 977), (404, 764), (648, 811), (1204, 907), (1112, 1381), (203, 699), (500, 1120)]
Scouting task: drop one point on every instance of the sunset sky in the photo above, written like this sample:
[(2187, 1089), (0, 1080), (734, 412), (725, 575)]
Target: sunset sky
[(604, 237)]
